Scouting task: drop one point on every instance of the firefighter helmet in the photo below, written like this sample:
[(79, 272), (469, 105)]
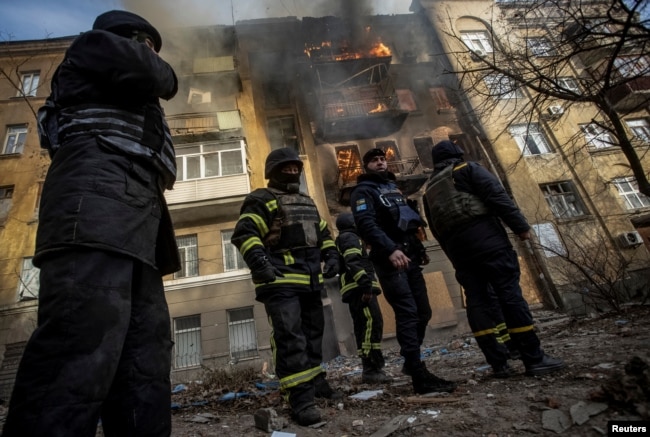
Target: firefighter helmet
[(278, 157), (345, 221)]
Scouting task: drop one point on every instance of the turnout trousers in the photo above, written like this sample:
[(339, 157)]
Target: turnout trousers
[(500, 271), (406, 292), (297, 321), (101, 349), (368, 326)]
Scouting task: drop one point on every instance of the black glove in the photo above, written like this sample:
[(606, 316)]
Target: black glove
[(331, 266), (262, 271)]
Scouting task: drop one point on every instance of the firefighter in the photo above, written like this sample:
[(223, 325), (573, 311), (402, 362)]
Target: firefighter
[(283, 240), (102, 345), (359, 290), (389, 224), (464, 205)]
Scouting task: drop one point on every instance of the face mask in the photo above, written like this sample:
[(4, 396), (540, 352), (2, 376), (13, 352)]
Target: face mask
[(287, 178)]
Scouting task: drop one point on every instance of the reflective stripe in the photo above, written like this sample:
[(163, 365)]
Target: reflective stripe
[(327, 244), (352, 251), (250, 244), (359, 274), (366, 344), (484, 332), (272, 205), (259, 222), (520, 330), (300, 378), (292, 278), (288, 258)]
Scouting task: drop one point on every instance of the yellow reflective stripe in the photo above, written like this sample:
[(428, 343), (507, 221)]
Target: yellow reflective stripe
[(300, 377), (459, 166), (272, 205), (258, 220), (291, 278), (503, 338), (288, 258), (352, 251), (249, 244), (520, 330), (375, 346), (375, 284), (327, 244), (359, 274), (484, 332), (322, 225), (347, 287), (365, 345), (274, 348), (501, 326)]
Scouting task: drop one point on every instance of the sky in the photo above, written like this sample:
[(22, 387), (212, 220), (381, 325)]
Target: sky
[(40, 19)]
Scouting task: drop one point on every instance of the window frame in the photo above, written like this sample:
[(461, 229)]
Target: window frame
[(641, 131), (572, 84), (6, 202), (17, 131), (204, 157), (540, 46), (506, 87), (234, 326), (477, 40), (189, 256), (229, 249), (189, 339), (597, 137), (530, 131), (29, 273), (282, 135), (630, 193), (33, 88), (560, 201)]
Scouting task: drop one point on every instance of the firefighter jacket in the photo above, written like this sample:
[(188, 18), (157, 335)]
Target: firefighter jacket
[(384, 218), (111, 152), (357, 271), (287, 229), (480, 231)]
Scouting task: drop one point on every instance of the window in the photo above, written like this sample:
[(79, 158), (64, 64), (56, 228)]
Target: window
[(477, 41), (530, 139), (208, 160), (392, 156), (15, 140), (540, 47), (502, 87), (633, 66), (549, 239), (349, 164), (569, 84), (640, 129), (37, 205), (423, 146), (6, 194), (29, 281), (189, 254), (242, 333), (29, 84), (597, 137), (232, 259), (282, 133), (629, 191), (187, 341), (563, 199)]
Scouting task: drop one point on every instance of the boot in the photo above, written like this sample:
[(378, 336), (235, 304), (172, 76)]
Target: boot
[(323, 390), (503, 371), (546, 365), (426, 382), (308, 416), (372, 374)]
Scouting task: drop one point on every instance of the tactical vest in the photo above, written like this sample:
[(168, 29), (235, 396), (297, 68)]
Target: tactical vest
[(406, 219), (129, 132), (296, 224), (448, 207)]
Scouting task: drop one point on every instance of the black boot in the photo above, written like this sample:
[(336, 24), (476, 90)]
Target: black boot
[(301, 400), (426, 382), (546, 365), (372, 374), (323, 390), (307, 416)]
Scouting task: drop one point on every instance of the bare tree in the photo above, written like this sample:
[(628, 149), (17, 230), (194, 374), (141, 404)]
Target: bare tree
[(560, 53)]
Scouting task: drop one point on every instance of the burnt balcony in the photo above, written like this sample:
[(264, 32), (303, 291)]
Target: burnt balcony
[(408, 173), (632, 95)]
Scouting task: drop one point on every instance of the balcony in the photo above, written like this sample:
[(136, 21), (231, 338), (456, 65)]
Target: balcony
[(632, 95)]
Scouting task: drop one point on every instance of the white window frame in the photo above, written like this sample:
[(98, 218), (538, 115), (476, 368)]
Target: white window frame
[(202, 154), (29, 84), (188, 250), (540, 46), (29, 280), (633, 66), (502, 87), (15, 139), (242, 333), (187, 341), (549, 239), (563, 199), (597, 137), (570, 84), (640, 129), (477, 41), (530, 139), (628, 189), (232, 258)]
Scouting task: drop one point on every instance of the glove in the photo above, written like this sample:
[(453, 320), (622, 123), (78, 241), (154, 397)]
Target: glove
[(262, 271), (331, 267)]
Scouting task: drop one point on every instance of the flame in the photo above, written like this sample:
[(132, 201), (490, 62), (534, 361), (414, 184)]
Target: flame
[(343, 52), (380, 49), (349, 164), (381, 107)]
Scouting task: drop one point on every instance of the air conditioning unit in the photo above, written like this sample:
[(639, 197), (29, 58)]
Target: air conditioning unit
[(630, 239), (554, 111), (477, 54)]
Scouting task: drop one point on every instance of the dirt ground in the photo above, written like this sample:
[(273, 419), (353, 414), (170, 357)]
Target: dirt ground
[(577, 401)]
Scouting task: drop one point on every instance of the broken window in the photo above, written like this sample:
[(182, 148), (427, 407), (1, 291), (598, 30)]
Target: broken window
[(282, 133), (29, 280), (349, 164), (563, 199)]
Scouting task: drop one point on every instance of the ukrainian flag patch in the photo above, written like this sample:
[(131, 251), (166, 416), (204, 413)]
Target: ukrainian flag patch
[(361, 205)]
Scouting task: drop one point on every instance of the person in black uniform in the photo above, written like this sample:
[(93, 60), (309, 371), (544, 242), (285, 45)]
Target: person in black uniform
[(464, 205), (103, 341), (359, 289), (389, 225), (283, 240)]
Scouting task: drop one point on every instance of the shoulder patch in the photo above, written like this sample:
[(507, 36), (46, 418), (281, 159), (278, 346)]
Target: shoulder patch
[(361, 205)]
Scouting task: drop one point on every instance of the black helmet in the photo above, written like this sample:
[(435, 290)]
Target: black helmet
[(125, 24), (279, 157), (345, 221), (445, 150)]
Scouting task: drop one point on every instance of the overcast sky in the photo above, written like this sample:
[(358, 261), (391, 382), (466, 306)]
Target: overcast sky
[(40, 19)]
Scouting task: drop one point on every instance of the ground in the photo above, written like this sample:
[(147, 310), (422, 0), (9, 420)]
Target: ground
[(578, 401)]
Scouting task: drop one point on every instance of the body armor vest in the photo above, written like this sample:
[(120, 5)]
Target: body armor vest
[(128, 132), (449, 207), (404, 216), (296, 224)]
